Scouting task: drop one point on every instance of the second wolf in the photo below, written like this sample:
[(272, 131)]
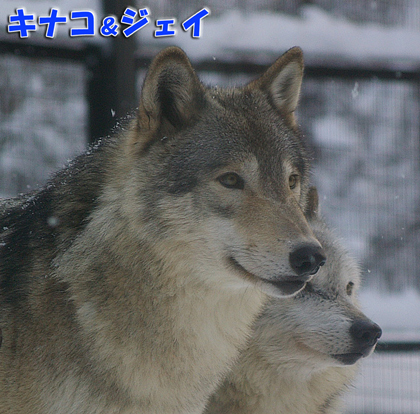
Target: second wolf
[(304, 350)]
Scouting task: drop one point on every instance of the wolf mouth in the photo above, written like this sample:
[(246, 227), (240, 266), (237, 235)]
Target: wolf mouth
[(288, 286), (348, 359)]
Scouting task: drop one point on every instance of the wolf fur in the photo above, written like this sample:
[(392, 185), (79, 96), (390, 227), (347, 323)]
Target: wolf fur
[(304, 351), (130, 282)]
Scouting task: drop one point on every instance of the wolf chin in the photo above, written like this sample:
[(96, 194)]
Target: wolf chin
[(129, 283), (304, 351)]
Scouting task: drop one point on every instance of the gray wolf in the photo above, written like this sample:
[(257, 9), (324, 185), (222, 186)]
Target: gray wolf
[(130, 282), (304, 351)]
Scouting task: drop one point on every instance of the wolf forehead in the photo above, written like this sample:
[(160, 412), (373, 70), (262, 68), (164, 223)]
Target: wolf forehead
[(233, 126)]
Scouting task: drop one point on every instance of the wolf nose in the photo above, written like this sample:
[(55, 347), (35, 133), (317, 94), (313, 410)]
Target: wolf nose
[(307, 260), (365, 333)]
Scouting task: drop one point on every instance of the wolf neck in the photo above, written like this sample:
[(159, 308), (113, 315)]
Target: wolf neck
[(260, 387), (177, 331)]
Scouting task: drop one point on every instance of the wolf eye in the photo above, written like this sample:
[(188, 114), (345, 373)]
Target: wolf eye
[(293, 181), (231, 180), (349, 288)]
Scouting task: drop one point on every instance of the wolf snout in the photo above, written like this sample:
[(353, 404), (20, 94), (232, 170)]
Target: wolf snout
[(365, 335), (307, 260)]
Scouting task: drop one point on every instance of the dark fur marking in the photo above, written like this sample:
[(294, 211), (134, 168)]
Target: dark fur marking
[(331, 400), (32, 239), (223, 211), (28, 224), (182, 186)]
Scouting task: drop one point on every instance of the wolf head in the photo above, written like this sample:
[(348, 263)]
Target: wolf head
[(322, 325), (227, 172)]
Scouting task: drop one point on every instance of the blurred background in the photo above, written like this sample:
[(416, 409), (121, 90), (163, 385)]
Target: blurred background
[(359, 111)]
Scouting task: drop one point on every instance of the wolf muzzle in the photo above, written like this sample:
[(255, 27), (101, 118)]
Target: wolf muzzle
[(305, 262), (365, 335)]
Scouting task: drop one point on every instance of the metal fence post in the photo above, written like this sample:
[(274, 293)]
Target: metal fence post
[(111, 90)]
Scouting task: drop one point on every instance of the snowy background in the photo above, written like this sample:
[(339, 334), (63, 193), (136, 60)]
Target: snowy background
[(364, 134)]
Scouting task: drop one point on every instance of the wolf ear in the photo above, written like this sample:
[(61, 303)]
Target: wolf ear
[(312, 203), (282, 81), (172, 93)]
